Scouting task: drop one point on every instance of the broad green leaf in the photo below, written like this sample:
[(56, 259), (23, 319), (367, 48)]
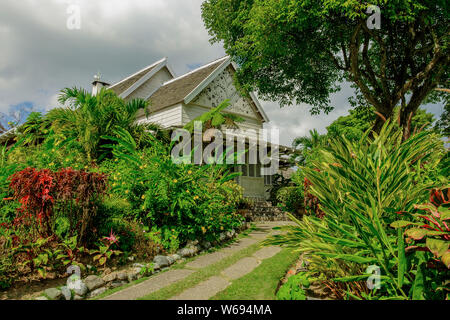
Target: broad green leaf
[(358, 278), (402, 224), (102, 261), (419, 285), (437, 247), (42, 273), (416, 233), (446, 259)]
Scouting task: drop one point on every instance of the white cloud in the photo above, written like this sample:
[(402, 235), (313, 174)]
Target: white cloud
[(40, 56), (296, 121)]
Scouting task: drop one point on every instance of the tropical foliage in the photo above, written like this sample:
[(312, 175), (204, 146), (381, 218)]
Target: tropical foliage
[(362, 186), (87, 184), (188, 202), (215, 118)]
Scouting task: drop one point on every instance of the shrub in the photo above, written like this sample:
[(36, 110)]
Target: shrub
[(8, 268), (34, 190), (361, 186), (311, 202), (291, 199), (73, 193), (428, 230), (294, 288), (181, 201), (50, 154), (78, 194), (187, 200), (279, 182)]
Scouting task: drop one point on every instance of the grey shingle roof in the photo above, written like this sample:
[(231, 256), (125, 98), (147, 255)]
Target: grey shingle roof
[(123, 85), (176, 90)]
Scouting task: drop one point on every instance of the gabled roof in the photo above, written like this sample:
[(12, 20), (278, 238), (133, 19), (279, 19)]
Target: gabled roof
[(132, 82), (176, 90), (181, 89), (186, 87)]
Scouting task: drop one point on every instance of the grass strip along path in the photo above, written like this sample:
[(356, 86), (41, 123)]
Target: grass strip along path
[(261, 283), (219, 273)]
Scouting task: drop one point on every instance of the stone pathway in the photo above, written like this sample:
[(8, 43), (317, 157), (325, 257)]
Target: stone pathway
[(151, 285), (215, 284)]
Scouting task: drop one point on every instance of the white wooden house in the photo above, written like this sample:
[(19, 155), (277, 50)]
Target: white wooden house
[(175, 101)]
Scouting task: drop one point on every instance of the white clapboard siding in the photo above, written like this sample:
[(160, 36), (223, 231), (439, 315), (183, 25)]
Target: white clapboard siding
[(168, 117), (150, 86), (190, 112)]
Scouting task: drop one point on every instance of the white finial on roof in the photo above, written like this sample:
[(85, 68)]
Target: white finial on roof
[(98, 84), (98, 76)]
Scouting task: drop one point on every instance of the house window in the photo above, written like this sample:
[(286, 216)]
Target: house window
[(258, 170), (252, 170), (244, 170), (268, 180)]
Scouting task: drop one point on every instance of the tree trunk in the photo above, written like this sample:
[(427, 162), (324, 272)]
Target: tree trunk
[(405, 123), (379, 122), (382, 117)]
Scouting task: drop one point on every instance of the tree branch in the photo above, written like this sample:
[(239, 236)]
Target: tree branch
[(354, 68)]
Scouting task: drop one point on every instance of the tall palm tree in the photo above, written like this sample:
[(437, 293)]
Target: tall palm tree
[(87, 118), (305, 145), (34, 130)]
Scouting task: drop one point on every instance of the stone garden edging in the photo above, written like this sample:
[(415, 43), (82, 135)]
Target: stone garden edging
[(94, 285)]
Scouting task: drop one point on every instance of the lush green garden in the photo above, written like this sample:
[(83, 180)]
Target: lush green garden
[(373, 200), (375, 187), (85, 185)]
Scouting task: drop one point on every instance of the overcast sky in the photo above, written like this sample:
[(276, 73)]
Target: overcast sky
[(40, 55)]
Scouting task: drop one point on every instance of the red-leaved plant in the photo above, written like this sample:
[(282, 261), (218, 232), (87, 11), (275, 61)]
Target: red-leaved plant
[(71, 191), (80, 190), (34, 190), (431, 232)]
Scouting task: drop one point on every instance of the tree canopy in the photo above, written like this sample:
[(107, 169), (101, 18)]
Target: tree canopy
[(360, 119), (352, 127), (86, 120), (301, 50)]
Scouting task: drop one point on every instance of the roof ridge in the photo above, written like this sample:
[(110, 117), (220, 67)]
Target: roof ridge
[(195, 70), (136, 73)]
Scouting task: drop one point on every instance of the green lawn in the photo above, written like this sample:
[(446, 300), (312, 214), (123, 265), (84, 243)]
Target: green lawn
[(262, 282)]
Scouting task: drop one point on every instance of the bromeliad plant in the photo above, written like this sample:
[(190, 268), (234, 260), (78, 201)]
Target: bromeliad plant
[(361, 185)]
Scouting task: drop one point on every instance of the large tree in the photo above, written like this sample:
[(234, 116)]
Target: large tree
[(301, 50)]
